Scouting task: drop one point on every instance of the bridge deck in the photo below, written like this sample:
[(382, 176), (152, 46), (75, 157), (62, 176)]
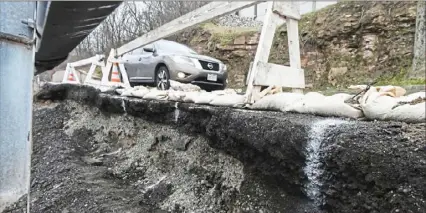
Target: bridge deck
[(66, 25)]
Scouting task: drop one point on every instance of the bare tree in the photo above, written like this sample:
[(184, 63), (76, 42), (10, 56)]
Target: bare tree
[(130, 20)]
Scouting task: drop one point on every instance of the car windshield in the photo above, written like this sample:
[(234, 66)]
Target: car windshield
[(173, 47)]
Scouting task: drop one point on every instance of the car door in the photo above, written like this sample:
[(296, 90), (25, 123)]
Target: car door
[(131, 63), (136, 65), (147, 61)]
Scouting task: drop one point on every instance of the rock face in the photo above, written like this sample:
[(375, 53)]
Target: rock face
[(104, 153), (346, 43)]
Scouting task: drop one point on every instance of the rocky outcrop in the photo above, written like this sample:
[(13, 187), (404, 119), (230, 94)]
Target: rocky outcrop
[(346, 43), (163, 156)]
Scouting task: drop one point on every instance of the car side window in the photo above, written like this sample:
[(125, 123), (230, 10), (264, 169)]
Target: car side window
[(138, 51)]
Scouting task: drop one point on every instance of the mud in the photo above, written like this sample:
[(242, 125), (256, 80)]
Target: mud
[(98, 152)]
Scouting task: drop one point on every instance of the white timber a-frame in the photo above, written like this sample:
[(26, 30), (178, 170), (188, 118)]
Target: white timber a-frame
[(261, 73), (94, 61)]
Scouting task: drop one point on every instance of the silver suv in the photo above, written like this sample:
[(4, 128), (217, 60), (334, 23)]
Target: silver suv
[(166, 60)]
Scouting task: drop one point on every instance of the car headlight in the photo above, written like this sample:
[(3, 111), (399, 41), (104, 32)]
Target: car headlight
[(223, 67)]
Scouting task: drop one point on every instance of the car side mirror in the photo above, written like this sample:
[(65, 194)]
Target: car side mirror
[(148, 49)]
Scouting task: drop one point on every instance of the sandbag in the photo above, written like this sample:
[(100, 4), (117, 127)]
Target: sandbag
[(224, 92), (230, 100), (176, 95), (278, 102), (318, 104), (137, 91), (204, 98), (155, 94), (394, 91), (120, 91), (177, 86), (380, 106), (191, 96)]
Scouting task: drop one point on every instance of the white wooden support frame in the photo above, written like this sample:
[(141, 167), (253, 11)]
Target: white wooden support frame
[(263, 73), (107, 69), (97, 60), (70, 70)]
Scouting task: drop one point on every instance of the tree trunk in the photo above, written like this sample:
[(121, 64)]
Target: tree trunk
[(418, 69)]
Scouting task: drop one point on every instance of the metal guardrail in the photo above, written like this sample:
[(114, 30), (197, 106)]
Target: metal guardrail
[(16, 75)]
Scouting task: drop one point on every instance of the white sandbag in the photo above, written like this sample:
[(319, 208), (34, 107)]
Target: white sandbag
[(137, 91), (191, 96), (120, 91), (394, 91), (155, 94), (379, 106), (278, 102), (224, 92), (176, 95), (230, 100), (318, 104), (204, 98), (342, 96), (412, 96), (305, 104), (177, 86)]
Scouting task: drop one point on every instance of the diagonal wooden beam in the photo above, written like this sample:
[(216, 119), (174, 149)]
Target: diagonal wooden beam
[(200, 15)]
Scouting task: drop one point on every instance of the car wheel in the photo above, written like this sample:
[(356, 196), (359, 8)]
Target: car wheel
[(162, 78)]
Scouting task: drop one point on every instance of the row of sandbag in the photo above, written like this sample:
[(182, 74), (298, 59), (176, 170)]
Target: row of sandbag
[(376, 103), (186, 93)]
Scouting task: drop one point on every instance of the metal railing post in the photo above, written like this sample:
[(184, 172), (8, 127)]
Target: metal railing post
[(16, 74)]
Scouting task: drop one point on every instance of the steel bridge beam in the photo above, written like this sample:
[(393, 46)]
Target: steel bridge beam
[(62, 25)]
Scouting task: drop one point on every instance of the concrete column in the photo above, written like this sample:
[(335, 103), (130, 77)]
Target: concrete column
[(16, 74)]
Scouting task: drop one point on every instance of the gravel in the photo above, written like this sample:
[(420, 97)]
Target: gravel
[(238, 21)]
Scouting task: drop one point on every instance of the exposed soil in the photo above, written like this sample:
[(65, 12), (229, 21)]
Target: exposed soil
[(98, 152)]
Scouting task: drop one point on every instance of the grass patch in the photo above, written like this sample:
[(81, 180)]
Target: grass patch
[(400, 79), (226, 35)]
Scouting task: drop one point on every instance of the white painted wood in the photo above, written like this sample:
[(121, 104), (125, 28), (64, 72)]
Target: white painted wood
[(288, 9), (77, 79), (205, 13), (294, 49), (107, 68), (87, 61), (67, 72), (264, 47), (269, 74), (123, 72), (90, 74)]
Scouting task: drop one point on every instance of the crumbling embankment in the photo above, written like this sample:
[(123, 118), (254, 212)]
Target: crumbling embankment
[(100, 152)]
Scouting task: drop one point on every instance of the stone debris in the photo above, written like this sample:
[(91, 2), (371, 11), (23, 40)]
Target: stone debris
[(238, 21)]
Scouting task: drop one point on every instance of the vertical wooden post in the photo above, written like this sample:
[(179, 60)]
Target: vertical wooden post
[(107, 69), (294, 48), (90, 73)]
